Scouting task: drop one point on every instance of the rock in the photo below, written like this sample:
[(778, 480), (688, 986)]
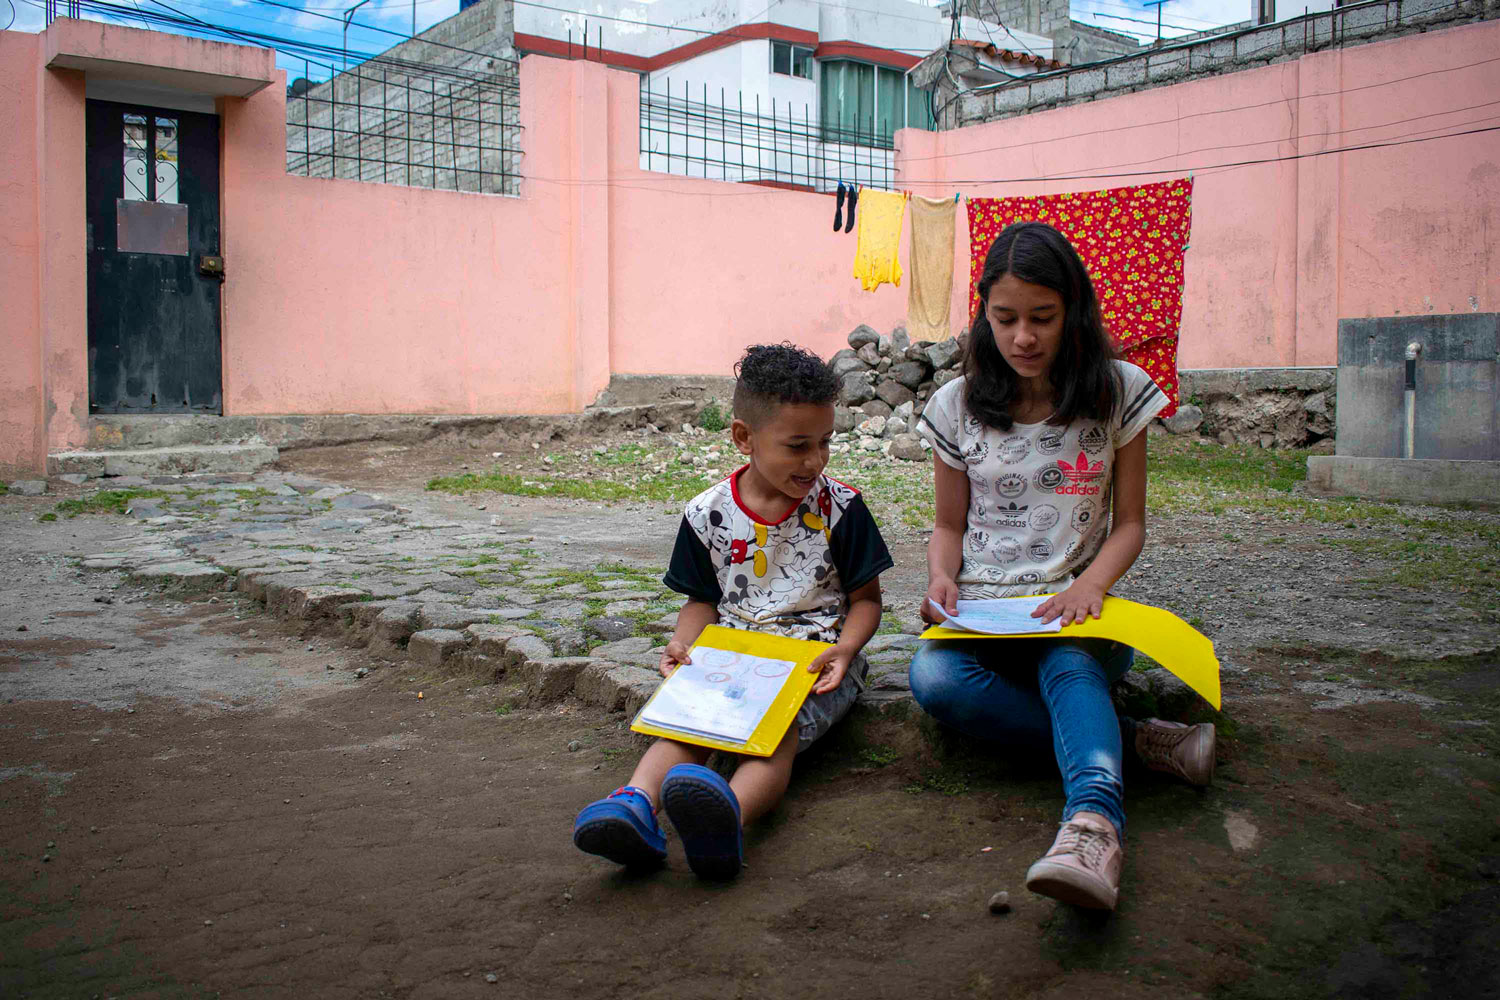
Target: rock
[(434, 646), (855, 389), (863, 335), (876, 408), (895, 426), (909, 373), (569, 640), (320, 601), (884, 346), (550, 679), (869, 354), (869, 444), (908, 448), (872, 427), (900, 341), (884, 366), (614, 686), (942, 378), (917, 353), (359, 501), (1174, 699), (843, 419), (944, 354), (491, 978), (1186, 420), (608, 628), (905, 412), (1000, 902), (844, 366), (186, 575), (894, 393), (75, 478)]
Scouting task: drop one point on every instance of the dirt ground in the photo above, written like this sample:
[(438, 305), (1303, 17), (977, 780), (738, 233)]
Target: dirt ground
[(193, 804)]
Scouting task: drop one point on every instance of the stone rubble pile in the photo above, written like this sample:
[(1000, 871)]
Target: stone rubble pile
[(885, 382)]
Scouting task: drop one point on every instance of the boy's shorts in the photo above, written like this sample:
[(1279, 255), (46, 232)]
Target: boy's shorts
[(820, 711)]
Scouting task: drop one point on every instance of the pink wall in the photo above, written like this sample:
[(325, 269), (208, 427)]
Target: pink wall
[(1281, 251), (343, 296), (21, 429)]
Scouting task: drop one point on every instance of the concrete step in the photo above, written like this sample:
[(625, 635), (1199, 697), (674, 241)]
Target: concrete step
[(178, 460)]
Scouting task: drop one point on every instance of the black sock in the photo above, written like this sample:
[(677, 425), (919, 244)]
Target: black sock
[(853, 198), (838, 212)]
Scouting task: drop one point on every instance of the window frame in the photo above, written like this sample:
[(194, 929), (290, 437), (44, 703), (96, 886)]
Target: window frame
[(792, 51), (839, 126)]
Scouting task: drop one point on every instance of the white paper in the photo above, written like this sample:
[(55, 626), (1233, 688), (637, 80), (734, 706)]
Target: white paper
[(720, 694), (1004, 616)]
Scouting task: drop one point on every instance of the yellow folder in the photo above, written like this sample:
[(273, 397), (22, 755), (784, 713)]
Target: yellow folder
[(778, 718), (1159, 634)]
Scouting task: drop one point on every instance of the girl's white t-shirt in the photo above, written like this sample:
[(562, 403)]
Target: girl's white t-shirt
[(1038, 494)]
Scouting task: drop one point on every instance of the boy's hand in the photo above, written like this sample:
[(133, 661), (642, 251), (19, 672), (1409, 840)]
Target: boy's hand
[(673, 657), (944, 592), (1074, 604), (832, 663)]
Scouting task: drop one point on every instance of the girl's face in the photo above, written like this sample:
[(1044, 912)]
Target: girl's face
[(1027, 321)]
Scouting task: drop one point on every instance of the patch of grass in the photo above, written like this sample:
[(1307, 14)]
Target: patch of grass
[(1465, 563), (483, 559), (4, 488), (649, 486), (712, 417), (625, 454), (49, 516), (504, 708), (105, 502), (879, 756), (943, 782)]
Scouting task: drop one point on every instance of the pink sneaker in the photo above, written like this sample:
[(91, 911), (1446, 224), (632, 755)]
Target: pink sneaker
[(1083, 866), (1179, 749)]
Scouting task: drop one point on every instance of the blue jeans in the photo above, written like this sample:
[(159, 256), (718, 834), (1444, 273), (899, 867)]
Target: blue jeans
[(1026, 693)]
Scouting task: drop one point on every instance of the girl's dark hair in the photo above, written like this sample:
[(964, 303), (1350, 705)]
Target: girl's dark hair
[(1084, 382)]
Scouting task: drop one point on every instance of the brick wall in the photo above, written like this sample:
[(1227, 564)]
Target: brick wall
[(441, 110)]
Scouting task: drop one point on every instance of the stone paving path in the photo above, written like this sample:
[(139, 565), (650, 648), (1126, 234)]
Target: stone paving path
[(437, 593)]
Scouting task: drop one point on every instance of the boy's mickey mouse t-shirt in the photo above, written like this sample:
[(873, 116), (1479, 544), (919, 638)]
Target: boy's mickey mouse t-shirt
[(791, 576), (1038, 494)]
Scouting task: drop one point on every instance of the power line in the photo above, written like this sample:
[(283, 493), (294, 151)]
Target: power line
[(1203, 114)]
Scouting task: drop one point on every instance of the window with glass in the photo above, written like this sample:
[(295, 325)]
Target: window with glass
[(791, 60), (866, 104), (150, 158)]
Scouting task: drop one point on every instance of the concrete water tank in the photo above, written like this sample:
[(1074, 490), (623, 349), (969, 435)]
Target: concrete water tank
[(1418, 410)]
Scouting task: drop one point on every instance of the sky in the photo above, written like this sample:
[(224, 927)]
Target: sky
[(318, 21)]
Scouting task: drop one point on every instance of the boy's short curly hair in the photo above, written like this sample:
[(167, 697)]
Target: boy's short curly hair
[(773, 375)]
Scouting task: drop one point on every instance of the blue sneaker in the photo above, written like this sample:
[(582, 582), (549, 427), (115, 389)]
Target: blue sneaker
[(706, 814), (622, 827)]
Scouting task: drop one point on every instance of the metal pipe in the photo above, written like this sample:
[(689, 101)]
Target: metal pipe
[(1413, 351), (348, 16)]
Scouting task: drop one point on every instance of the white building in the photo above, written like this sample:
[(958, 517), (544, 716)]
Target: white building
[(797, 92)]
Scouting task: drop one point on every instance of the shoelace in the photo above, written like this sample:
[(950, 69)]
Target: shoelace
[(1159, 743), (1090, 845)]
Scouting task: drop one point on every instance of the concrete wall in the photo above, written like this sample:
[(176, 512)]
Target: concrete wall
[(1281, 251), (21, 425)]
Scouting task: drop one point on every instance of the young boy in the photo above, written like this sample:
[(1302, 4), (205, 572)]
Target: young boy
[(777, 547)]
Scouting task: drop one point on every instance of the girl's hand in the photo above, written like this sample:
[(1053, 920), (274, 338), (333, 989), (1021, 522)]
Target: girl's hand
[(832, 663), (672, 657), (943, 592), (1075, 604)]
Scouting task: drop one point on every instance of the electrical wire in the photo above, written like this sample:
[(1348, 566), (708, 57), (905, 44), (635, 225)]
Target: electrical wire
[(12, 6), (1011, 145)]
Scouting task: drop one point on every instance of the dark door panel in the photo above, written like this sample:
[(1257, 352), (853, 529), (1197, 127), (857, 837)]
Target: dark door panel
[(153, 215)]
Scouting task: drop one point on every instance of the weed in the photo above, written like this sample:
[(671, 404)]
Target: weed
[(479, 560), (49, 516), (712, 417), (504, 708), (4, 488), (105, 502), (648, 486), (942, 782), (879, 756)]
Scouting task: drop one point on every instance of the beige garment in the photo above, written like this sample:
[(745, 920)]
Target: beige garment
[(931, 261)]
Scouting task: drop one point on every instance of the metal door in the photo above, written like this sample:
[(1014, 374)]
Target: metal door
[(153, 260)]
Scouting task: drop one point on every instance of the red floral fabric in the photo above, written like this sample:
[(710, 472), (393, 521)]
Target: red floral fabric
[(1132, 241)]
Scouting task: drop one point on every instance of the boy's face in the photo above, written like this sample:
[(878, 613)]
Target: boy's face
[(788, 449)]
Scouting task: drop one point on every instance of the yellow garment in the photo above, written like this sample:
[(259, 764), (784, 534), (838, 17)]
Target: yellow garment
[(880, 217), (931, 261)]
